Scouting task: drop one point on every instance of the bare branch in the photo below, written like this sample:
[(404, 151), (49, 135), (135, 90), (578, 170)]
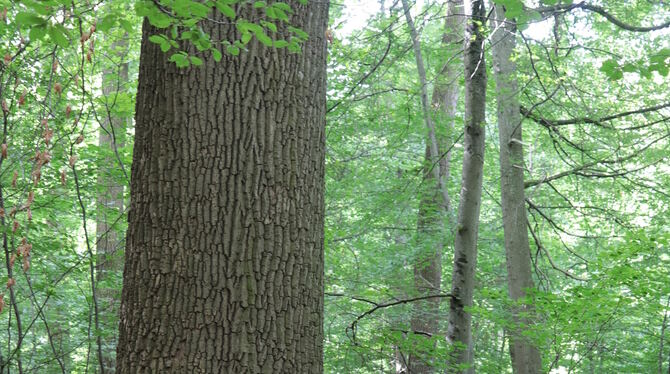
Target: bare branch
[(607, 15)]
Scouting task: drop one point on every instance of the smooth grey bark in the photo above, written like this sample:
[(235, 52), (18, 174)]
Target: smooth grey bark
[(224, 253), (662, 339), (427, 265), (400, 360), (110, 204), (465, 242), (435, 204), (525, 355), (425, 105)]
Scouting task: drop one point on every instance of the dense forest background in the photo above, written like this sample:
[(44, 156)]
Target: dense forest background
[(592, 89)]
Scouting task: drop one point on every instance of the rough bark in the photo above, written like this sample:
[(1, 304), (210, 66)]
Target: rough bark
[(110, 205), (224, 252), (525, 356), (467, 227), (435, 204)]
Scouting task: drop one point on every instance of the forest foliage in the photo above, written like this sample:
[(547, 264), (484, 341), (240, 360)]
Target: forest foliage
[(594, 82)]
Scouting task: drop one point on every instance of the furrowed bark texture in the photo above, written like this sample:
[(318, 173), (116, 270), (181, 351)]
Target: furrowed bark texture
[(434, 210), (525, 356), (224, 255), (110, 206), (465, 241)]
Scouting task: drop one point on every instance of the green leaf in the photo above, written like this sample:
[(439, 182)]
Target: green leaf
[(160, 20), (199, 10), (37, 33), (38, 7), (276, 13), (513, 8), (246, 37), (260, 4), (126, 25), (280, 43), (60, 35), (158, 39), (660, 56), (609, 65), (527, 18), (180, 59), (202, 44), (106, 23), (233, 50), (216, 54), (298, 32), (225, 9), (611, 69), (263, 38), (197, 61), (645, 73), (29, 19), (282, 6), (162, 42), (269, 25), (615, 75), (294, 46)]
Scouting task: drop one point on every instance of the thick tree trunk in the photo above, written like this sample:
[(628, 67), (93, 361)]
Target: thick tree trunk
[(465, 242), (525, 356), (435, 204), (224, 254), (110, 207)]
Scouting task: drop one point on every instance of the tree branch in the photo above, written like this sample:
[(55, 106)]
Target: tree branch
[(587, 120), (607, 15), (377, 306)]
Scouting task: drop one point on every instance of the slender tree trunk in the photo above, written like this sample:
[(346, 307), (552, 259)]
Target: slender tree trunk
[(465, 242), (400, 359), (110, 205), (435, 204), (525, 355), (224, 253), (13, 303), (425, 105), (428, 263), (60, 338), (662, 338)]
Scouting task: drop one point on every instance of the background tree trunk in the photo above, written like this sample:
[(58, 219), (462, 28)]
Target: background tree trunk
[(465, 242), (110, 204), (525, 356), (435, 204), (224, 254)]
